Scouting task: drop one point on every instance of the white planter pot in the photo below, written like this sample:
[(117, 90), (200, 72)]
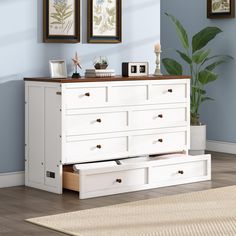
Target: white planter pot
[(197, 140)]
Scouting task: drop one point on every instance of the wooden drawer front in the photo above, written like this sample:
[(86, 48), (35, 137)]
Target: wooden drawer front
[(169, 93), (96, 123), (178, 172), (158, 143), (159, 118), (114, 180), (85, 97), (95, 150), (128, 95)]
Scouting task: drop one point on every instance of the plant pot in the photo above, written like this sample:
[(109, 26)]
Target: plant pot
[(197, 140)]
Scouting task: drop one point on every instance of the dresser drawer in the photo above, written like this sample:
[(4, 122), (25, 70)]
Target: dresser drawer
[(143, 173), (158, 143), (169, 93), (156, 118), (95, 149), (179, 172), (85, 97), (77, 124), (115, 180), (128, 95)]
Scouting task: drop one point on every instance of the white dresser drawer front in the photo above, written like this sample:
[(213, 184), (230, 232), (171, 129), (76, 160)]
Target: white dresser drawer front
[(156, 118), (159, 143), (114, 180), (78, 124), (143, 173), (96, 149), (128, 95), (169, 93), (85, 97), (178, 172)]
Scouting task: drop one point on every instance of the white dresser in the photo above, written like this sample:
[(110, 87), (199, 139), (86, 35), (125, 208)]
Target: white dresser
[(78, 121)]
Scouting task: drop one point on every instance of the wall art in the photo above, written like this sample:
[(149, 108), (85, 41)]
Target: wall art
[(61, 21), (220, 9), (104, 21)]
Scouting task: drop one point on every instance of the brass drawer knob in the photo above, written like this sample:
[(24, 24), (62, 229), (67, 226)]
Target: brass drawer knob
[(119, 181), (181, 172), (87, 94), (99, 146), (160, 140), (99, 120), (160, 116), (170, 90)]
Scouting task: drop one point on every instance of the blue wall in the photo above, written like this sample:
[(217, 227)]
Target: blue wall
[(220, 115), (22, 53)]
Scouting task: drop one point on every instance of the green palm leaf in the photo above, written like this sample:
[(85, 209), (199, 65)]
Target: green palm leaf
[(180, 31)]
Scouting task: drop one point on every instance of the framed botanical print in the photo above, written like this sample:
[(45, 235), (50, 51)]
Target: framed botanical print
[(104, 21), (61, 21), (220, 9)]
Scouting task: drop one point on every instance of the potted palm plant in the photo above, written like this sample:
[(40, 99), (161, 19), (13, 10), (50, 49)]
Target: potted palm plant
[(201, 65)]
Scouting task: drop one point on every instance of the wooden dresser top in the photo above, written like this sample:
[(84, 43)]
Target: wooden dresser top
[(107, 79)]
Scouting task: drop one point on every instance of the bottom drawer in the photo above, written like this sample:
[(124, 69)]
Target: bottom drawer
[(179, 171), (115, 180), (137, 174)]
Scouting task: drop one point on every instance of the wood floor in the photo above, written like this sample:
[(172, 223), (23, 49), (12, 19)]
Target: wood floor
[(19, 203)]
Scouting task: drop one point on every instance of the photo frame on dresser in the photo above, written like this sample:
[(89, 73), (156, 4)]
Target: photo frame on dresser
[(58, 69), (61, 21), (104, 21), (220, 9)]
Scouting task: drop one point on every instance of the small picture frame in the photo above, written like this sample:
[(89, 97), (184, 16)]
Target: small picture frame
[(132, 69), (58, 68), (104, 21), (218, 9), (61, 21)]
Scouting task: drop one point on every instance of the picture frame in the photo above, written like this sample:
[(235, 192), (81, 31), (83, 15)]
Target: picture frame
[(61, 21), (219, 9), (135, 69), (58, 69), (104, 21)]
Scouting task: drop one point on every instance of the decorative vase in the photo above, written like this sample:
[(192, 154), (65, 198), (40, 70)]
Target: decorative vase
[(197, 139)]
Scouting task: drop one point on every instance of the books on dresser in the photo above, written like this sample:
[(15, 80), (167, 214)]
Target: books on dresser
[(99, 73)]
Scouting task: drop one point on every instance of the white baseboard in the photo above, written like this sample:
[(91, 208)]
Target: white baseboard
[(12, 179), (217, 146)]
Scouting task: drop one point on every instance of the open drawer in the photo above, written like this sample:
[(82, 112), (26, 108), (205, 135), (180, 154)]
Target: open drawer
[(139, 174)]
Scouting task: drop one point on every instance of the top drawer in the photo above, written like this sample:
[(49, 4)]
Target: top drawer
[(168, 93), (85, 97), (92, 95)]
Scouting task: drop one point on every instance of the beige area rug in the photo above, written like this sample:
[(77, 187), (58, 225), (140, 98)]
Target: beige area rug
[(211, 212)]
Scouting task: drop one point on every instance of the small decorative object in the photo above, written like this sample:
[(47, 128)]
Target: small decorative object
[(58, 69), (134, 69), (104, 21), (93, 73), (61, 21), (220, 9), (76, 62), (100, 63), (157, 50)]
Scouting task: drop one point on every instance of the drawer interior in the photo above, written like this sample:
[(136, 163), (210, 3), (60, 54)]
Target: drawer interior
[(70, 179)]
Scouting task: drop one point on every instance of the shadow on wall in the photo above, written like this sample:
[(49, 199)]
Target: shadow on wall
[(11, 124)]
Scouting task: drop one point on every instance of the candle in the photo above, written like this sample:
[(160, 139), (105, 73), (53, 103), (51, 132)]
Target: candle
[(158, 47)]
